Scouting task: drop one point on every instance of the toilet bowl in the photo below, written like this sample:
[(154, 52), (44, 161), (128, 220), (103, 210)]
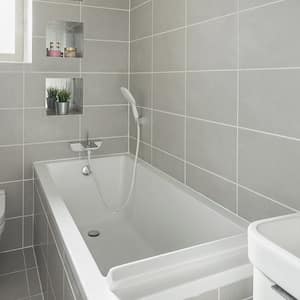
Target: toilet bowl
[(2, 211)]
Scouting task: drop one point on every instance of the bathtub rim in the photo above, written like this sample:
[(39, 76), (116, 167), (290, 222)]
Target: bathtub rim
[(91, 286)]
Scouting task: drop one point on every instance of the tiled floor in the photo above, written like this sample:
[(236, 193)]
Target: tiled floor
[(18, 276)]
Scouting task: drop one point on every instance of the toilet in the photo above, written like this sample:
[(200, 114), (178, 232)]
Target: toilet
[(2, 211)]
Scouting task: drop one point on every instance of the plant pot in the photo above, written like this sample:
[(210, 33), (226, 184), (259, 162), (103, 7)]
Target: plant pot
[(62, 108), (51, 103)]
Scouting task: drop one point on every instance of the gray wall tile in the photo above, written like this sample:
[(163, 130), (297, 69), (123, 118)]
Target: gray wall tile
[(144, 153), (145, 129), (104, 89), (14, 286), (168, 14), (105, 24), (38, 127), (168, 133), (11, 162), (169, 92), (43, 13), (168, 164), (269, 101), (253, 207), (141, 55), (141, 21), (246, 4), (141, 88), (270, 165), (105, 57), (267, 36), (135, 3), (11, 85), (215, 188), (212, 96), (199, 11), (213, 45), (105, 121), (11, 262), (12, 121), (212, 147), (169, 51), (211, 295)]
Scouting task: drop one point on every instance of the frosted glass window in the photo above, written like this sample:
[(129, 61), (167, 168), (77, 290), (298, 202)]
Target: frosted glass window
[(8, 26)]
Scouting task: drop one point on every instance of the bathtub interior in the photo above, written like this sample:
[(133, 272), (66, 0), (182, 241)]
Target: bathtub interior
[(160, 218)]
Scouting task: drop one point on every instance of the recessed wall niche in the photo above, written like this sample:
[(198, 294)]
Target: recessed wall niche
[(64, 96), (64, 39)]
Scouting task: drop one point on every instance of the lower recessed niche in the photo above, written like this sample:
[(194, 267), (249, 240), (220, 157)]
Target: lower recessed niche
[(64, 96)]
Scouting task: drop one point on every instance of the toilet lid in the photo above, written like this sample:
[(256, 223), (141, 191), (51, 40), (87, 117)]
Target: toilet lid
[(2, 206)]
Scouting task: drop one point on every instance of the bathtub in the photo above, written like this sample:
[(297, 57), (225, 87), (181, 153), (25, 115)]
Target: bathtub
[(169, 242)]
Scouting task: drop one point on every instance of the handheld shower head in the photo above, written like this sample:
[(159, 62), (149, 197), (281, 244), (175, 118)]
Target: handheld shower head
[(128, 96)]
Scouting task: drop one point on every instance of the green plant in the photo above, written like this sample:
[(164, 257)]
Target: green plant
[(52, 92), (63, 95)]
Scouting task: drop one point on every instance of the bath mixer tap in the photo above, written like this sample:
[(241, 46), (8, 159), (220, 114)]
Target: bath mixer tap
[(87, 146)]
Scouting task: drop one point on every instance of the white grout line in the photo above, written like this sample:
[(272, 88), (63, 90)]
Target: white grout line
[(237, 110), (152, 82), (23, 158), (185, 91), (26, 274), (129, 72)]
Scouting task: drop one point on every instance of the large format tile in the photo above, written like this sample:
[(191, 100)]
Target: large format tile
[(168, 14), (169, 92), (213, 45), (269, 101), (105, 24), (141, 55), (11, 123), (270, 165), (267, 36), (199, 11), (11, 262), (104, 89), (44, 12), (212, 147), (105, 121), (102, 56), (212, 96), (168, 133), (246, 4), (11, 161), (215, 188), (135, 3), (169, 51), (14, 286), (253, 207), (141, 21), (39, 127), (11, 85), (168, 164), (141, 89)]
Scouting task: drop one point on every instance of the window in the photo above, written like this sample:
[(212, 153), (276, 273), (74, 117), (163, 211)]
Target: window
[(14, 22)]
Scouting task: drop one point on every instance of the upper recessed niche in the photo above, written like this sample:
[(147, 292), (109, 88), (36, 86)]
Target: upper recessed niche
[(64, 39)]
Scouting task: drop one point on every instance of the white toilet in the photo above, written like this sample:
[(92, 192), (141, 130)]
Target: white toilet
[(2, 211)]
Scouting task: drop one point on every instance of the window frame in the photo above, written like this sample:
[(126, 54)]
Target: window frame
[(18, 56)]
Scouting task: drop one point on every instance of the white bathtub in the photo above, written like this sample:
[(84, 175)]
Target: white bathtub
[(168, 243)]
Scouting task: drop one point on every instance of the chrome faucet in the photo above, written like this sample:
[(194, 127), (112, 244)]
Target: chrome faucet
[(86, 146)]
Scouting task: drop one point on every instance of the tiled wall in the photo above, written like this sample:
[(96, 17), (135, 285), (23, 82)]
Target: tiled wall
[(218, 84), (27, 134)]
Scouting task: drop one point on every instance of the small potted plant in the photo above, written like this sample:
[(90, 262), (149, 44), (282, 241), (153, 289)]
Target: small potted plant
[(51, 97), (62, 103)]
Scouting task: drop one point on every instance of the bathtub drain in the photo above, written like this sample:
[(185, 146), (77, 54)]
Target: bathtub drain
[(93, 233)]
